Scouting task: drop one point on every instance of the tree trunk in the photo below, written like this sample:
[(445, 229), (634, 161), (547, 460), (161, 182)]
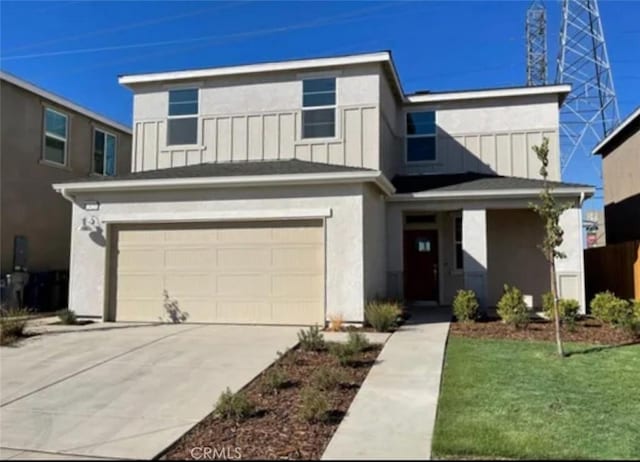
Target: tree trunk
[(556, 314)]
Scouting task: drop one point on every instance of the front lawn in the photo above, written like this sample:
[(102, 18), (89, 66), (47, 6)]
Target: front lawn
[(517, 399)]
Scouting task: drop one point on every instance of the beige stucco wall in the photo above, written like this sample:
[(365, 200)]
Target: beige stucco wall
[(29, 206), (621, 170), (375, 250), (342, 205), (256, 117)]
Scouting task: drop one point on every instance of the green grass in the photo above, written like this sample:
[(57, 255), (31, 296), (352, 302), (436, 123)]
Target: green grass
[(515, 399)]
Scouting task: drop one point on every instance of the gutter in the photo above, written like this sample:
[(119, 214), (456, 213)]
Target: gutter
[(491, 194), (68, 189)]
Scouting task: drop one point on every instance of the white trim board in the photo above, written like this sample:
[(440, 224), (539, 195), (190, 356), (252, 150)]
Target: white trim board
[(206, 216), (503, 193)]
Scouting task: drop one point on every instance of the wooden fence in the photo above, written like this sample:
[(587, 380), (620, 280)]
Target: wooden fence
[(614, 267)]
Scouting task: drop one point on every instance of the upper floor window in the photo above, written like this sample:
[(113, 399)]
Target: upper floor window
[(182, 124), (319, 108), (421, 136), (104, 153), (55, 136)]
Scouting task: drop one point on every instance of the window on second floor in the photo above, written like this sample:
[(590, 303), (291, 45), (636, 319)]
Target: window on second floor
[(182, 124), (104, 153), (55, 136), (421, 136), (319, 108)]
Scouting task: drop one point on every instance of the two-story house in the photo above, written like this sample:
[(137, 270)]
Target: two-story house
[(288, 192), (620, 152), (47, 139)]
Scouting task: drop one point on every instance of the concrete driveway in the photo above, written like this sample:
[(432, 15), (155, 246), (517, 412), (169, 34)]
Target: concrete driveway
[(126, 392)]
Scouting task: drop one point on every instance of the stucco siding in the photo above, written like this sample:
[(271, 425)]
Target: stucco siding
[(375, 245), (29, 206), (343, 228), (492, 136), (258, 117)]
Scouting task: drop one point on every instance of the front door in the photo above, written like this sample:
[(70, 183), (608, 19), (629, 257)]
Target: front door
[(421, 264)]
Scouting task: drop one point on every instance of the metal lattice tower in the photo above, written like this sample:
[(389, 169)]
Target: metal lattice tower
[(536, 33), (590, 111)]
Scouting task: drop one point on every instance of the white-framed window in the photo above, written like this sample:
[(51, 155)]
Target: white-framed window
[(56, 127), (421, 136), (458, 255), (319, 107), (182, 123), (104, 152)]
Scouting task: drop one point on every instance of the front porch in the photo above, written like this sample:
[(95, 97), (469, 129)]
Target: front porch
[(440, 242)]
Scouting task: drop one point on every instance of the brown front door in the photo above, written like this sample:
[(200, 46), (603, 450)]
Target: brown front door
[(421, 264)]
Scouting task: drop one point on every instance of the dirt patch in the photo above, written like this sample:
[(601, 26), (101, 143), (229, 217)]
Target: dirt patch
[(585, 331), (276, 431)]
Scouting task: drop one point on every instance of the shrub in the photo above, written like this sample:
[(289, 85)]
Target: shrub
[(234, 405), (567, 308), (465, 306), (358, 342), (608, 308), (311, 339), (13, 322), (382, 315), (328, 378), (314, 405), (336, 322), (343, 352), (67, 317), (511, 307), (273, 380)]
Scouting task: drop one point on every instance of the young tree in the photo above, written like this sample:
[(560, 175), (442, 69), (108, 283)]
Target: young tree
[(549, 209)]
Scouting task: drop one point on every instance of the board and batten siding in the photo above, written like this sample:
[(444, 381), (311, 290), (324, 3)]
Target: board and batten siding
[(259, 118)]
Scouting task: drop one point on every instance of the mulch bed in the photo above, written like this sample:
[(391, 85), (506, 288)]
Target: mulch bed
[(586, 330), (276, 431)]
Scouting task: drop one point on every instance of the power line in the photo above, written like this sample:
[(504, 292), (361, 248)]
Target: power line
[(310, 24), (124, 27)]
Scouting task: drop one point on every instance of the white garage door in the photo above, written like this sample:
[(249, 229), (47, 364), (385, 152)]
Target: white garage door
[(262, 273)]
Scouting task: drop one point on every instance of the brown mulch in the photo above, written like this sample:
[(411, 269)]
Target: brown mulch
[(586, 331), (276, 431)]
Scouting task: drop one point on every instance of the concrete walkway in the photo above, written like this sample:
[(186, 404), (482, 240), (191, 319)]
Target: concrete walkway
[(393, 414)]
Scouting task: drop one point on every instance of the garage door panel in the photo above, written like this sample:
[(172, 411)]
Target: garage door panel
[(261, 273), (249, 257)]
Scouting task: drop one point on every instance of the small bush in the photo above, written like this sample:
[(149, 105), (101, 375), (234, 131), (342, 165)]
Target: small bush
[(13, 322), (234, 406), (67, 317), (311, 339), (328, 378), (273, 380), (465, 306), (382, 315), (336, 321), (567, 308), (314, 405), (343, 352), (358, 342), (608, 308), (512, 309)]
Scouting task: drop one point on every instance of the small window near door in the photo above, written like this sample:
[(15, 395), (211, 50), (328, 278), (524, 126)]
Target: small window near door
[(423, 245), (104, 153), (458, 255)]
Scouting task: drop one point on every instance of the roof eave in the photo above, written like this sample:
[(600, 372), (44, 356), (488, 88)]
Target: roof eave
[(561, 90), (516, 193), (602, 145)]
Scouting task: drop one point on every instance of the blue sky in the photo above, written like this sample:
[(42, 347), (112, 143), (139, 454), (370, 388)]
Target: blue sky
[(78, 48)]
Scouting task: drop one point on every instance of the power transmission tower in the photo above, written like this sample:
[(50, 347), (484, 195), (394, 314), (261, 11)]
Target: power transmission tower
[(590, 111), (536, 33)]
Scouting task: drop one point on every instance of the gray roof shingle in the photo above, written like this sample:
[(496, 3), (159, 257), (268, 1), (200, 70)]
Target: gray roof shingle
[(469, 181), (249, 168)]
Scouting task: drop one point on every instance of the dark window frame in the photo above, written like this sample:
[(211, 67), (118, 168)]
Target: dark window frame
[(190, 116), (47, 134), (316, 109), (431, 136), (103, 170)]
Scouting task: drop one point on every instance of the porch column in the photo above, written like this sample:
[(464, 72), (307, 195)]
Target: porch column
[(570, 270), (474, 250)]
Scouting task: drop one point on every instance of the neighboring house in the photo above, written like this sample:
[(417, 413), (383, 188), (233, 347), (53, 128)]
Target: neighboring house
[(620, 152), (47, 139), (287, 192)]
